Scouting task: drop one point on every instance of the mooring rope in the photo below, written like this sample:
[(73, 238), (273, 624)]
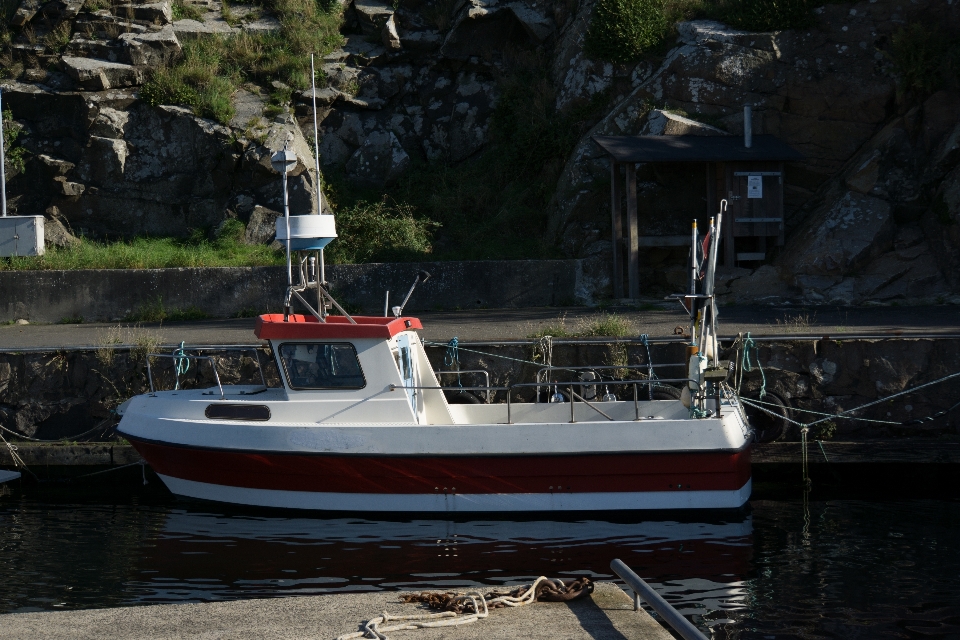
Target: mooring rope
[(17, 460), (467, 608), (452, 357), (181, 364), (651, 374), (746, 365), (805, 426)]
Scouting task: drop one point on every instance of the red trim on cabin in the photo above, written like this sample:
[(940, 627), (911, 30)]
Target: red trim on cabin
[(272, 327), (578, 473)]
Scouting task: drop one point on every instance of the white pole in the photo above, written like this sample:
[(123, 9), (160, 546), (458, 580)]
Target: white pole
[(316, 159), (3, 167), (286, 217)]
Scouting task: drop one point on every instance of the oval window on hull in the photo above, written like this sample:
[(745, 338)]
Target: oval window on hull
[(251, 412)]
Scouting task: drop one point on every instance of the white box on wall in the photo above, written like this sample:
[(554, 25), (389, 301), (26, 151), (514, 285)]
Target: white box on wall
[(21, 236)]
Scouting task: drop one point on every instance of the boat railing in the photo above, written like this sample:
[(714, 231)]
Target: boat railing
[(641, 589), (574, 397), (213, 360), (483, 372), (650, 381)]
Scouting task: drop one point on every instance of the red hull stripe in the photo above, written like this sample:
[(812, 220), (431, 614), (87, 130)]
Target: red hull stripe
[(272, 327), (466, 475)]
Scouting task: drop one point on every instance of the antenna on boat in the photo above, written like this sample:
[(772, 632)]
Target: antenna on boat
[(283, 162), (3, 168), (316, 158), (423, 276)]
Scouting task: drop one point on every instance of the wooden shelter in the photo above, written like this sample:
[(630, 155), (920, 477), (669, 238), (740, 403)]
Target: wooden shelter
[(750, 178)]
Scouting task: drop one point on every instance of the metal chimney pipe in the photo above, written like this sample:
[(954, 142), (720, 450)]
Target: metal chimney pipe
[(747, 126)]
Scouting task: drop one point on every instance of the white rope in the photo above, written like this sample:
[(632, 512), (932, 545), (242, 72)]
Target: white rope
[(375, 629)]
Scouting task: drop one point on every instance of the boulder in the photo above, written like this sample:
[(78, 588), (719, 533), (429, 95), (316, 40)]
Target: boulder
[(539, 26), (153, 49), (665, 123), (373, 16), (379, 162), (100, 75), (25, 12), (841, 237), (104, 162), (110, 123), (389, 35), (262, 227), (187, 29), (56, 235), (153, 13)]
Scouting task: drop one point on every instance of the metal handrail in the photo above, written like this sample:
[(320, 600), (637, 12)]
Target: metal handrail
[(486, 375), (213, 362), (636, 403), (650, 381), (211, 359), (641, 589)]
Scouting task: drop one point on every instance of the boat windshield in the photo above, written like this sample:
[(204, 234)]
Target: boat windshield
[(321, 365)]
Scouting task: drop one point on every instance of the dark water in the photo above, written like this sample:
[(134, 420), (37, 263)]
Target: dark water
[(780, 569)]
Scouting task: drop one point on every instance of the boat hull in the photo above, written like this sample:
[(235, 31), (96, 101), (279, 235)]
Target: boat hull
[(451, 483)]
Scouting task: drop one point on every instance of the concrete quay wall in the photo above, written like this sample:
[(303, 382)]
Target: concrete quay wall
[(224, 292)]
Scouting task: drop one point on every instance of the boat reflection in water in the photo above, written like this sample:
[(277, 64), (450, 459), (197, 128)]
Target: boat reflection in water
[(200, 556)]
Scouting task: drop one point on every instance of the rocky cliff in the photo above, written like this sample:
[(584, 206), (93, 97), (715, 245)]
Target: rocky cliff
[(873, 211)]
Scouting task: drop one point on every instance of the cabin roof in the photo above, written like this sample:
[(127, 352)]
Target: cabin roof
[(272, 327), (696, 148)]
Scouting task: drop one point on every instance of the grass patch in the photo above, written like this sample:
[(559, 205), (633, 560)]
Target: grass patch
[(186, 11), (622, 30), (380, 232), (799, 323), (925, 58), (71, 320), (603, 325), (625, 30), (213, 68), (149, 253), (142, 341), (155, 311)]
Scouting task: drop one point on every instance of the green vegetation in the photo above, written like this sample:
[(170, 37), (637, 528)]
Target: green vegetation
[(379, 232), (765, 15), (926, 59), (213, 68), (155, 311), (14, 155), (185, 11), (624, 30), (603, 325), (150, 253)]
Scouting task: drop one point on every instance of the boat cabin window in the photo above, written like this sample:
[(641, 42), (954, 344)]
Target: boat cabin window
[(321, 365)]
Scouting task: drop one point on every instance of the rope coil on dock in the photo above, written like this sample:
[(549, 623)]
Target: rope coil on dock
[(467, 608)]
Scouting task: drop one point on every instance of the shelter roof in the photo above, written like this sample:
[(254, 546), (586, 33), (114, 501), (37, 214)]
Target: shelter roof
[(696, 149), (272, 327)]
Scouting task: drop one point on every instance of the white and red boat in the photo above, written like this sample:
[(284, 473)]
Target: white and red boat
[(361, 423)]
